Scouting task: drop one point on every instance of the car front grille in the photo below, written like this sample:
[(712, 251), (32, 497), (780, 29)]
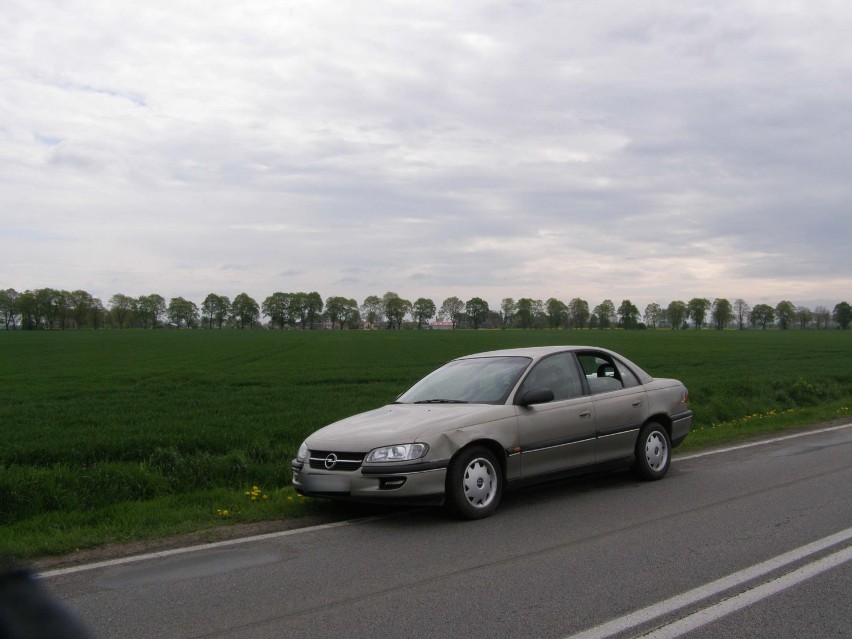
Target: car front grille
[(330, 460)]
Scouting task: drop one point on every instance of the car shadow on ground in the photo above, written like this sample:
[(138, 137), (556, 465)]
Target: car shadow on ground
[(557, 493)]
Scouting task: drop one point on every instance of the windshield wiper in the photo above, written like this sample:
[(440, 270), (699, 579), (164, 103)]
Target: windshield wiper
[(441, 401)]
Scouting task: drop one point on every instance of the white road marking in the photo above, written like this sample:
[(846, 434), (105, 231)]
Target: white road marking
[(762, 442), (644, 615), (187, 549), (297, 531), (747, 598)]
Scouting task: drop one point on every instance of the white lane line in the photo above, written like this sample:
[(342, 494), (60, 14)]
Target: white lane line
[(747, 598), (649, 613), (217, 544), (243, 540), (762, 442)]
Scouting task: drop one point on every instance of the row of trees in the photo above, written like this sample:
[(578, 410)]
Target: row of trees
[(48, 308)]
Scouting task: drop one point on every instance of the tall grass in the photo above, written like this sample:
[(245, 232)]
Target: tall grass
[(117, 421)]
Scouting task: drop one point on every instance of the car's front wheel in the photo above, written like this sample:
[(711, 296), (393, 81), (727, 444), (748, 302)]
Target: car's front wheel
[(653, 452), (474, 483)]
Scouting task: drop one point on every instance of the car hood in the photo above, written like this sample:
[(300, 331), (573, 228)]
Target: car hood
[(401, 424)]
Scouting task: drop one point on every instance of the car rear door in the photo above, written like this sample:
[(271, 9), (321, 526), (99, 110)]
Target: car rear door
[(560, 434), (620, 405)]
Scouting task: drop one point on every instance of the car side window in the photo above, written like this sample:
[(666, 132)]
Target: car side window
[(557, 373), (627, 377), (602, 372)]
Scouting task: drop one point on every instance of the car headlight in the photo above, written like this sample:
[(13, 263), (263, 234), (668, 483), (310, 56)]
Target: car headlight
[(302, 455), (400, 452)]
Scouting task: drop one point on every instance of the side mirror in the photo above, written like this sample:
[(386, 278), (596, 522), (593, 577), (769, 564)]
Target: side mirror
[(536, 396)]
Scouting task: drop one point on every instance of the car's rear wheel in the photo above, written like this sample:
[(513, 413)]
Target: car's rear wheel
[(653, 452), (474, 483)]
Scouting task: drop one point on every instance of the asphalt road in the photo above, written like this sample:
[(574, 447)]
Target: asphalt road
[(752, 542)]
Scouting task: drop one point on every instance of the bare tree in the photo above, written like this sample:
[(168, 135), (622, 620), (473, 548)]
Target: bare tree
[(507, 312), (804, 316), (741, 309), (821, 316), (653, 314)]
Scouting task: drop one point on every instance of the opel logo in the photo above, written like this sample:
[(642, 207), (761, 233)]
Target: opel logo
[(330, 461)]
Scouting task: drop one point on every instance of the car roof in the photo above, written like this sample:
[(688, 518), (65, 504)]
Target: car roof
[(534, 352)]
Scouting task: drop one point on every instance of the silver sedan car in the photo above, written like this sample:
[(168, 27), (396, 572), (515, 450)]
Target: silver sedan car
[(484, 423)]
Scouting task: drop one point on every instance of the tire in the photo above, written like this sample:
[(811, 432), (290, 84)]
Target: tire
[(474, 483), (653, 452)]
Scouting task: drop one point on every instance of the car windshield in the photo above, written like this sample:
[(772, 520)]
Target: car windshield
[(479, 380)]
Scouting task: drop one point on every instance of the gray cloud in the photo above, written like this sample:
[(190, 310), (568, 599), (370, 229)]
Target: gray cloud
[(656, 151)]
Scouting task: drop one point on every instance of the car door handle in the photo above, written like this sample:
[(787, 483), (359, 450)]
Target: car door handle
[(637, 403), (586, 414)]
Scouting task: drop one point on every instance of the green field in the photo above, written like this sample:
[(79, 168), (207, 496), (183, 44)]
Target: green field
[(122, 435)]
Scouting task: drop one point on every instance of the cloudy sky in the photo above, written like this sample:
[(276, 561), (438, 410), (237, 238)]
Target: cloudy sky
[(648, 151)]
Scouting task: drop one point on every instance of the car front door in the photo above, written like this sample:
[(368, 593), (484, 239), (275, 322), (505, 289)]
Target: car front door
[(559, 434), (620, 404)]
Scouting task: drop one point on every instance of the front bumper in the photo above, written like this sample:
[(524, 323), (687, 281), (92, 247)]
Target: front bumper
[(385, 484)]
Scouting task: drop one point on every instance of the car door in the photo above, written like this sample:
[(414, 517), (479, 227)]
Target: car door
[(620, 405), (559, 434)]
